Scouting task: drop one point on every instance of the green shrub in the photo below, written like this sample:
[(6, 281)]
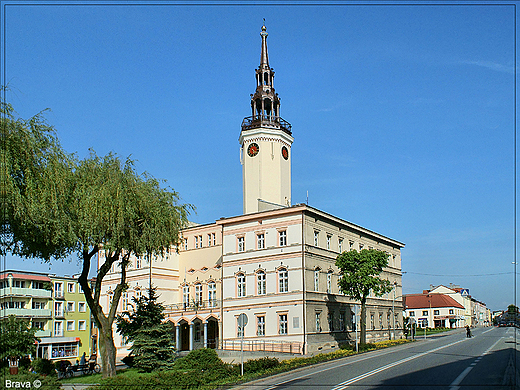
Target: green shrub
[(262, 364), (43, 366), (199, 359)]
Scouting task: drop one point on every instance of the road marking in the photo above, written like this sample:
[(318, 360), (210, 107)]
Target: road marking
[(344, 385), (455, 384), (382, 353)]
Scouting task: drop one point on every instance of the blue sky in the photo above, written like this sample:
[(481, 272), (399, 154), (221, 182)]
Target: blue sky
[(403, 115)]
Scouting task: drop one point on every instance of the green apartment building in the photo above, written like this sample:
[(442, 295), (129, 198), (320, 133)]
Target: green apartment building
[(54, 304)]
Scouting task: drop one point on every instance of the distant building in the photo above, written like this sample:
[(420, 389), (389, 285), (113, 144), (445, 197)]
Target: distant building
[(434, 311), (275, 263), (53, 304)]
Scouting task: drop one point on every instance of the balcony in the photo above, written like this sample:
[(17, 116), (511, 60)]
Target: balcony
[(43, 333), (193, 306), (25, 292), (274, 122), (27, 313)]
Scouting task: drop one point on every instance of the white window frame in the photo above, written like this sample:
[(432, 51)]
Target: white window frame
[(282, 324), (282, 237), (241, 285), (260, 241), (329, 238), (198, 293), (329, 282), (84, 305), (212, 294), (186, 296), (261, 283), (69, 289), (316, 280), (58, 328), (70, 326), (316, 238), (260, 325), (70, 307), (82, 325), (241, 244), (283, 280)]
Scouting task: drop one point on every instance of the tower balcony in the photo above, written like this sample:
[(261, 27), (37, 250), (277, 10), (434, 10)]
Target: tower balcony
[(268, 121)]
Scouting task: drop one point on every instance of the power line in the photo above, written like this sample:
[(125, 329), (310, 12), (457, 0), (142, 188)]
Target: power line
[(459, 275)]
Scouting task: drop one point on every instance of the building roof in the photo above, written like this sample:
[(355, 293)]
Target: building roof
[(421, 301), (25, 275)]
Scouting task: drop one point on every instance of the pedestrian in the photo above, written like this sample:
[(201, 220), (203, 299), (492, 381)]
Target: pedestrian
[(468, 331), (83, 360)]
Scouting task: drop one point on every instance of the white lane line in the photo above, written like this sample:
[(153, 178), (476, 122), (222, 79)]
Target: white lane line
[(382, 353), (343, 385), (455, 384)]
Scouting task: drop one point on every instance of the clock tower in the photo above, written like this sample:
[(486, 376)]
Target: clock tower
[(265, 145)]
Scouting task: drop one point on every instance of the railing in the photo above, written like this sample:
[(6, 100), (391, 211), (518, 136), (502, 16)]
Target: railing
[(266, 121), (43, 333), (193, 306), (45, 313), (27, 292), (264, 346)]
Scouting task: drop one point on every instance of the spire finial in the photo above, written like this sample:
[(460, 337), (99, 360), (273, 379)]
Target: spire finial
[(264, 61)]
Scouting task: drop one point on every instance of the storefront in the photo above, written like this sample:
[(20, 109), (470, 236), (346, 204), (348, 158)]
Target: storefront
[(58, 348)]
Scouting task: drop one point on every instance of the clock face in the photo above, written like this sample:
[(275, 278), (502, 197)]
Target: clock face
[(252, 149), (285, 152)]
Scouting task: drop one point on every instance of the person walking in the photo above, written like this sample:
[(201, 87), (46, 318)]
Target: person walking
[(468, 331)]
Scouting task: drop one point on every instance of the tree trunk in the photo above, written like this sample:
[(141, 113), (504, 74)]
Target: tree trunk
[(108, 352), (363, 322)]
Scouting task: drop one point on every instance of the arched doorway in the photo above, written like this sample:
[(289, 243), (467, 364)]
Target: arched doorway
[(184, 336), (212, 333)]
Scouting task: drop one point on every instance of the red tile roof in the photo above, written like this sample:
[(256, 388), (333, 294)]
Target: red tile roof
[(17, 276), (420, 301)]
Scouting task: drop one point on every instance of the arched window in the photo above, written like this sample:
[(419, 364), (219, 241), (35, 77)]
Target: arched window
[(186, 296), (283, 280), (198, 294), (266, 78), (317, 279), (260, 283), (329, 282), (212, 294), (241, 285)]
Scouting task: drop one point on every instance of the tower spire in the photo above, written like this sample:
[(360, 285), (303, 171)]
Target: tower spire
[(264, 57)]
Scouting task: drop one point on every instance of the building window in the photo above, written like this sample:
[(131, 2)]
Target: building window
[(200, 241), (186, 296), (342, 321), (260, 241), (198, 294), (185, 244), (318, 321), (138, 262), (282, 235), (425, 312), (82, 325), (329, 237), (380, 320), (282, 319), (330, 320), (82, 307), (70, 306), (241, 285), (58, 309), (317, 279), (340, 245), (58, 328), (316, 237), (214, 239), (436, 312), (70, 287), (196, 242), (39, 325), (212, 294), (451, 311), (124, 300), (38, 305), (260, 326), (283, 279), (260, 278), (360, 247), (351, 245), (412, 314), (372, 325), (70, 326), (58, 290), (209, 239), (329, 282), (388, 320), (241, 244)]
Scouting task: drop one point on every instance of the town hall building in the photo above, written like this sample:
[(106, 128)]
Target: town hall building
[(275, 263)]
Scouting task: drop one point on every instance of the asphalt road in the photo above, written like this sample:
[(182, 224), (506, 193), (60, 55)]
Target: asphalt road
[(488, 360)]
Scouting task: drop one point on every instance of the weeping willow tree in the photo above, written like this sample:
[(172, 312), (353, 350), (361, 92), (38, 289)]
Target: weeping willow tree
[(58, 205)]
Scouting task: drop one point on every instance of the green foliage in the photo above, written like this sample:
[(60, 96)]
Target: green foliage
[(199, 359), (43, 366), (152, 341), (360, 273), (16, 338), (359, 276), (262, 364), (512, 309)]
